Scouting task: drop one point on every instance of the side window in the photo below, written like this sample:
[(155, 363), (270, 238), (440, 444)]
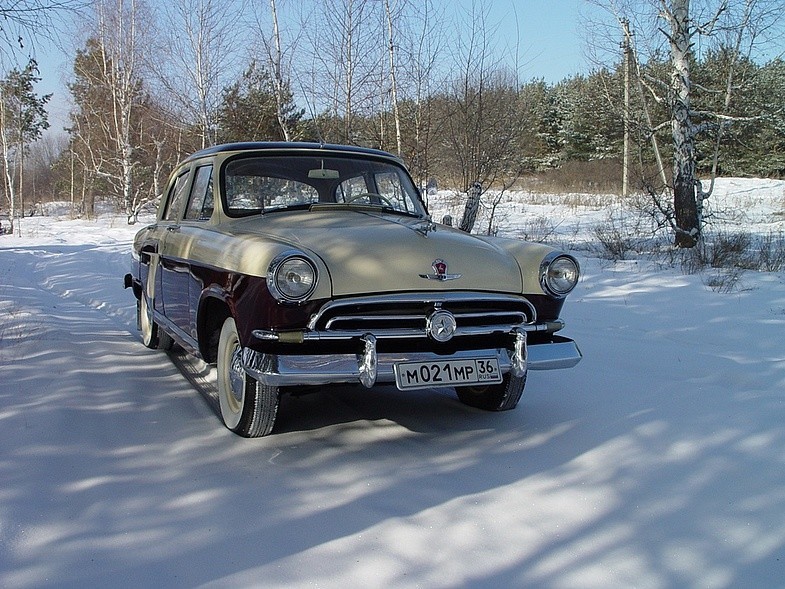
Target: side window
[(388, 191), (176, 199), (351, 188), (200, 203), (389, 185)]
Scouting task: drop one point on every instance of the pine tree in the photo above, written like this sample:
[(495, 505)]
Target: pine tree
[(249, 109), (23, 118)]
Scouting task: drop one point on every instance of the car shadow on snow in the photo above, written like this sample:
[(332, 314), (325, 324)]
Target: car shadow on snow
[(308, 408)]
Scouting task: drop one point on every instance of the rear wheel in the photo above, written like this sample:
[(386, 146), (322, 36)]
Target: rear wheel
[(495, 397), (152, 335), (248, 407)]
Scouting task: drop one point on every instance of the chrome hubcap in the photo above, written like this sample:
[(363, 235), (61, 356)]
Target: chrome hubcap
[(237, 375)]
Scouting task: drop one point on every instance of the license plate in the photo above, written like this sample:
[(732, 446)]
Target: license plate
[(447, 373)]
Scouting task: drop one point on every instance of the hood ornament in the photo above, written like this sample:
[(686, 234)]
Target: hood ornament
[(440, 272)]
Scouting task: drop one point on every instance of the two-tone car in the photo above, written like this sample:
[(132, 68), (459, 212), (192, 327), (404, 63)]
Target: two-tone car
[(296, 264)]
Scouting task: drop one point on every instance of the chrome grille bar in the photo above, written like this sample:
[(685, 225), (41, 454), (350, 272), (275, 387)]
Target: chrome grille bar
[(510, 310)]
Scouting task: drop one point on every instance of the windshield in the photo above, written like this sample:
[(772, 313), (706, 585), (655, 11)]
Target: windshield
[(259, 184)]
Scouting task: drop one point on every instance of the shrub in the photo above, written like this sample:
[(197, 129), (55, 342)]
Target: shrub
[(540, 230), (771, 252), (723, 280)]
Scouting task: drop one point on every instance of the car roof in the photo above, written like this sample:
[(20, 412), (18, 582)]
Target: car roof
[(291, 146)]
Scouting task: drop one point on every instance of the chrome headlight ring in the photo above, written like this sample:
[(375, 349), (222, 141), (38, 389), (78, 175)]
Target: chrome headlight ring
[(292, 277), (559, 274)]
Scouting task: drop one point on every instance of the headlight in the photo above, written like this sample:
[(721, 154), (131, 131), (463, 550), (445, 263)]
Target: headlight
[(291, 277), (559, 274)]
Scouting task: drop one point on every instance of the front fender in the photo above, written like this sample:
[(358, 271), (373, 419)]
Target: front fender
[(529, 257)]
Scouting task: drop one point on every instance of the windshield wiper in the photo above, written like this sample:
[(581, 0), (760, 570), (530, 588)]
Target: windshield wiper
[(298, 207), (367, 208), (395, 211)]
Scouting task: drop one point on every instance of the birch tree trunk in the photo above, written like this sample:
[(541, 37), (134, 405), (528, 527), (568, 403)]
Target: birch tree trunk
[(349, 42), (425, 44), (8, 176), (393, 81), (472, 208), (21, 168), (685, 204), (278, 83)]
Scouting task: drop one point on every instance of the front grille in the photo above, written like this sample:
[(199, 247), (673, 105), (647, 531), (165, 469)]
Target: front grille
[(405, 315)]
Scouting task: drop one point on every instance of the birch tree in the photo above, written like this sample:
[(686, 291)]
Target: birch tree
[(109, 96), (684, 27), (423, 43), (480, 121), (22, 120), (280, 84), (687, 201), (194, 59), (393, 63), (280, 46), (345, 59)]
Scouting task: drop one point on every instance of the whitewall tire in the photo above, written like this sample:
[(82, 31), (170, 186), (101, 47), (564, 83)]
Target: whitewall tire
[(248, 407)]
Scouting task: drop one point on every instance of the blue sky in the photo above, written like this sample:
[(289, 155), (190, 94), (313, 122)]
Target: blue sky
[(549, 34)]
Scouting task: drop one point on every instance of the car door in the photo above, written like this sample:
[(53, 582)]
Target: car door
[(198, 212), (172, 265)]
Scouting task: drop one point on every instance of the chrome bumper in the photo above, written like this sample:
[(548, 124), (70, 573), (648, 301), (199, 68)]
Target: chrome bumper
[(369, 368)]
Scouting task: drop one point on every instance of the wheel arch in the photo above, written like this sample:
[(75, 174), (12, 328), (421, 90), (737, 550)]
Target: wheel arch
[(213, 311)]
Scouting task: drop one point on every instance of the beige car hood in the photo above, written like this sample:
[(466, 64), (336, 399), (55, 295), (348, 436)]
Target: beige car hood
[(367, 252)]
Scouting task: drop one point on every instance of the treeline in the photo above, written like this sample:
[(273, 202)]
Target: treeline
[(139, 108)]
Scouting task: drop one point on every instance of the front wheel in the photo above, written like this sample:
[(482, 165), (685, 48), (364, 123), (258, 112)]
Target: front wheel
[(495, 397), (248, 407)]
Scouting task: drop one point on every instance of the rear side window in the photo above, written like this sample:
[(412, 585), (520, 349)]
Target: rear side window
[(200, 203), (176, 198)]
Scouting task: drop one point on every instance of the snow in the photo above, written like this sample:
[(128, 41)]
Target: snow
[(659, 461)]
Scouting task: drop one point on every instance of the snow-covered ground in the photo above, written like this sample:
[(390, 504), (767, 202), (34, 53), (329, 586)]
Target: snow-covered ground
[(659, 461)]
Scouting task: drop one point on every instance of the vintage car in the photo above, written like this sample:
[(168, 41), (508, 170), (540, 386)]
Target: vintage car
[(294, 264)]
